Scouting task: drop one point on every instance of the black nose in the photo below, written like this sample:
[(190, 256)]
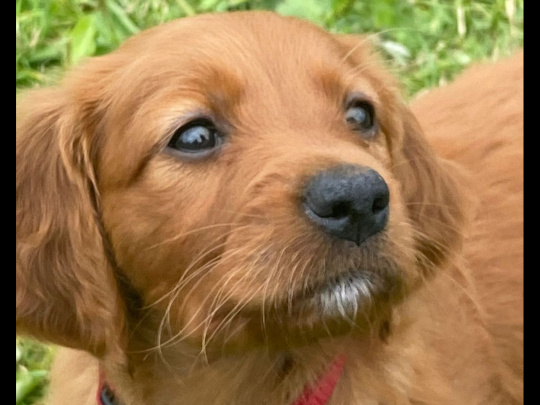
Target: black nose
[(349, 202)]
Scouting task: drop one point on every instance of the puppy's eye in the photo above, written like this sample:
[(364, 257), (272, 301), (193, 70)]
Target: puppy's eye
[(196, 138), (360, 116)]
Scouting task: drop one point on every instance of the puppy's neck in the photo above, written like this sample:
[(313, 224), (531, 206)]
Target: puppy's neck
[(180, 374), (258, 377)]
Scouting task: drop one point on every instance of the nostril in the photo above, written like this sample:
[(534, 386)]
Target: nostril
[(379, 204), (340, 210), (336, 210)]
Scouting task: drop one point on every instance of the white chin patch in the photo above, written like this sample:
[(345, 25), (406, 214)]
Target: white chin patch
[(345, 296), (342, 297)]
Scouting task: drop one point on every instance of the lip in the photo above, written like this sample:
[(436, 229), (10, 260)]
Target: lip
[(355, 300), (338, 305)]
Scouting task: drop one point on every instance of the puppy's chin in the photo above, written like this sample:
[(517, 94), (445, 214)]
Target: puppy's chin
[(356, 301), (353, 301), (346, 296)]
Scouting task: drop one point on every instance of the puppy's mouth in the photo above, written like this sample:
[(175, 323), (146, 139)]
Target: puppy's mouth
[(334, 294), (355, 299)]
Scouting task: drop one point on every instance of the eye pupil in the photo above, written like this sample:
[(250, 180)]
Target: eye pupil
[(196, 138), (357, 115), (361, 117)]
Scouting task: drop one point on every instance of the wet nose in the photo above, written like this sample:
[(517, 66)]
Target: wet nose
[(349, 202)]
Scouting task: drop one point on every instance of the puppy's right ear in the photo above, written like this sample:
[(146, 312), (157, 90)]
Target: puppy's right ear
[(66, 288)]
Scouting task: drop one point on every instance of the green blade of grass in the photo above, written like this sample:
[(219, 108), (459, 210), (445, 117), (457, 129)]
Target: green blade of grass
[(122, 17), (27, 382), (83, 39)]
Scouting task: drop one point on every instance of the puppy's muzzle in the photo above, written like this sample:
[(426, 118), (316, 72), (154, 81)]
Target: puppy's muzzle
[(348, 202)]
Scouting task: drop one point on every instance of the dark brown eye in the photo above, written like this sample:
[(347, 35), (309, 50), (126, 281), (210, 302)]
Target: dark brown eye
[(197, 138), (360, 117)]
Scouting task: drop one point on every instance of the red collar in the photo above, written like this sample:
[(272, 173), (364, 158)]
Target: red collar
[(322, 390), (317, 394)]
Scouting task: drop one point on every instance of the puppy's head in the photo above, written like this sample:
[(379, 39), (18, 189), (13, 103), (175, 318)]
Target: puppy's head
[(239, 178)]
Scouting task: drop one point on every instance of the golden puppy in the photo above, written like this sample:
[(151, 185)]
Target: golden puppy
[(241, 209)]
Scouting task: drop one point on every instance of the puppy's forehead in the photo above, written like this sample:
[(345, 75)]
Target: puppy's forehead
[(250, 50)]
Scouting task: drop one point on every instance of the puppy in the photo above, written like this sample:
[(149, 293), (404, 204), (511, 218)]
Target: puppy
[(241, 209)]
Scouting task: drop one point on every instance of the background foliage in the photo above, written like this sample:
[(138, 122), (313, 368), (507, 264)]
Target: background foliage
[(426, 42)]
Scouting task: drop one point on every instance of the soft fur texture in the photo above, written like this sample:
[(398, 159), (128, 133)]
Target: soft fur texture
[(202, 281)]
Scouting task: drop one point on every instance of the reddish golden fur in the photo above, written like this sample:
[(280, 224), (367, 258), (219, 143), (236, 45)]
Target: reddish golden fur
[(182, 279)]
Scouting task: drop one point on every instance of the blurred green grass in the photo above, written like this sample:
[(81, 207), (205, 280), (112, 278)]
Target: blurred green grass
[(33, 361), (426, 43)]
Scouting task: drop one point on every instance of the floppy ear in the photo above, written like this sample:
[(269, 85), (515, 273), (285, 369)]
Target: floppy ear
[(433, 190), (66, 288)]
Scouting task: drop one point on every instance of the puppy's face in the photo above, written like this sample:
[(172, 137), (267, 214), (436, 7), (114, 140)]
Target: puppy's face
[(252, 178)]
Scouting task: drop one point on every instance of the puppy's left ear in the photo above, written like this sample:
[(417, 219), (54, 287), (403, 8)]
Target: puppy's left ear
[(433, 191), (67, 291)]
